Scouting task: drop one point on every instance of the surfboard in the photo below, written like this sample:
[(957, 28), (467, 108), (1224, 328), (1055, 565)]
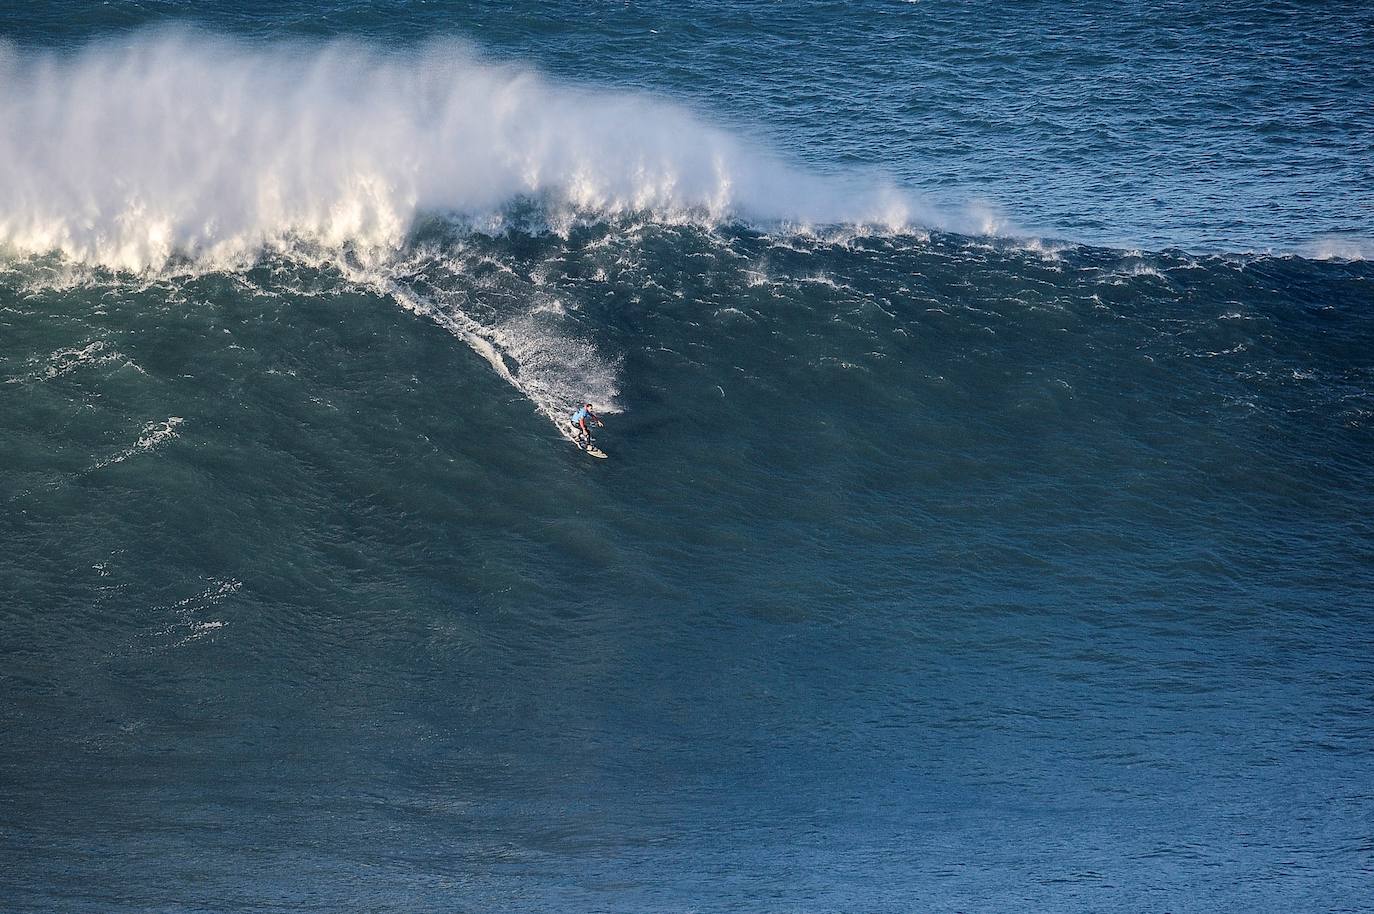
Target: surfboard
[(572, 435)]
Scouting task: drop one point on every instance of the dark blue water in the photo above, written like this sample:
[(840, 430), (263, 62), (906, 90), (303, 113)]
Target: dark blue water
[(989, 405)]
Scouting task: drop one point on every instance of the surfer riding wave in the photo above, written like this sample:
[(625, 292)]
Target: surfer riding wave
[(579, 423)]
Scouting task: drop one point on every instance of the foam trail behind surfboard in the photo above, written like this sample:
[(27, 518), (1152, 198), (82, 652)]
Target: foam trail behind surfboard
[(552, 400)]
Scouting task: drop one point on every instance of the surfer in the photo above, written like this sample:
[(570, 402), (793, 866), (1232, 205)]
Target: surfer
[(579, 421)]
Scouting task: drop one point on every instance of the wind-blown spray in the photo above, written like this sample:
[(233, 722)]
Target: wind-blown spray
[(176, 145)]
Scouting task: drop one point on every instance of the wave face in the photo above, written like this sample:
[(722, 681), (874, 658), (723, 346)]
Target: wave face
[(942, 523), (174, 145)]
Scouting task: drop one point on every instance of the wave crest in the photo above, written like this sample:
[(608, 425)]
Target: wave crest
[(176, 144)]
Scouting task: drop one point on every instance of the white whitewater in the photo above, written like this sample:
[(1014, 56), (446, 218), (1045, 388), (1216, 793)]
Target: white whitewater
[(173, 144)]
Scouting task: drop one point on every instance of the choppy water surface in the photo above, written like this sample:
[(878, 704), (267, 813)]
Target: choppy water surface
[(987, 519)]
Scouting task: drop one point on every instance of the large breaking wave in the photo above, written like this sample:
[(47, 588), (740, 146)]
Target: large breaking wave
[(178, 145), (177, 152)]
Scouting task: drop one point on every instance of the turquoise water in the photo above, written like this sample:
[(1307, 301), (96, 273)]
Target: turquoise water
[(986, 525)]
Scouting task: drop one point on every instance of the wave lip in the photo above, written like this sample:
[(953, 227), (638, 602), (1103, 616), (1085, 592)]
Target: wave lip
[(178, 144)]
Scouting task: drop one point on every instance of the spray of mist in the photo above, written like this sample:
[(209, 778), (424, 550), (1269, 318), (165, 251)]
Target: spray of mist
[(179, 145)]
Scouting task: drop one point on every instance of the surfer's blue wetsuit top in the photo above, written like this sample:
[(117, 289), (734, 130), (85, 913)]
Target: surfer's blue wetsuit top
[(581, 414)]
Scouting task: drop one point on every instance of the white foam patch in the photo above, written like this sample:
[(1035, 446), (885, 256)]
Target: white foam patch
[(153, 434), (188, 626), (65, 361), (171, 145)]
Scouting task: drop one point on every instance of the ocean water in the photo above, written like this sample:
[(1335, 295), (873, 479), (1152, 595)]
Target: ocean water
[(990, 408)]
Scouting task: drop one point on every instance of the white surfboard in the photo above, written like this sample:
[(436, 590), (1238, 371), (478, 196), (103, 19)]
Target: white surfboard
[(572, 435)]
